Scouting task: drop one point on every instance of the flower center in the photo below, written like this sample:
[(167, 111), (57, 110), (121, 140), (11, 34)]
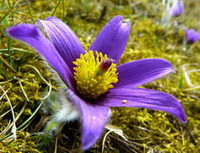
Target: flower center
[(94, 73)]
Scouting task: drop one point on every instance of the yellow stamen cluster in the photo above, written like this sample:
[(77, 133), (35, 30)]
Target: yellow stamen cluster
[(90, 83)]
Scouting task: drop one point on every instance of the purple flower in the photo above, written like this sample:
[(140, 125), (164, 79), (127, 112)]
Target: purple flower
[(177, 8), (95, 81), (192, 36)]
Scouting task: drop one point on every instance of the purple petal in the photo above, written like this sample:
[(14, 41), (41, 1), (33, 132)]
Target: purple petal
[(30, 34), (112, 39), (144, 98), (94, 118), (63, 38), (142, 71), (191, 35), (177, 8)]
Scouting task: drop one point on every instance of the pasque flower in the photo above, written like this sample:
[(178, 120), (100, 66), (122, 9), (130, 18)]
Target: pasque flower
[(94, 79), (177, 8), (192, 35)]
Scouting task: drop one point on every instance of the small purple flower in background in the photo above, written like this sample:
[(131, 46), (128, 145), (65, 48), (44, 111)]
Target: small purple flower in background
[(177, 8), (192, 36), (95, 81)]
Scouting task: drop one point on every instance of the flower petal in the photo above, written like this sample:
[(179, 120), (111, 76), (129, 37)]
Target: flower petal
[(151, 99), (31, 34), (112, 39), (63, 38), (142, 71), (192, 35), (94, 118), (177, 8)]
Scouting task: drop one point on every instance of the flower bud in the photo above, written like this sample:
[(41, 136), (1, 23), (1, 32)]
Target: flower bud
[(192, 36), (177, 8)]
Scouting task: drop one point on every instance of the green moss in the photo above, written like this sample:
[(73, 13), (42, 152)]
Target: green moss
[(24, 143)]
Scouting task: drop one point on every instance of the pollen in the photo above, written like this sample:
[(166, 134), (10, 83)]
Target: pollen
[(89, 82), (124, 101)]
